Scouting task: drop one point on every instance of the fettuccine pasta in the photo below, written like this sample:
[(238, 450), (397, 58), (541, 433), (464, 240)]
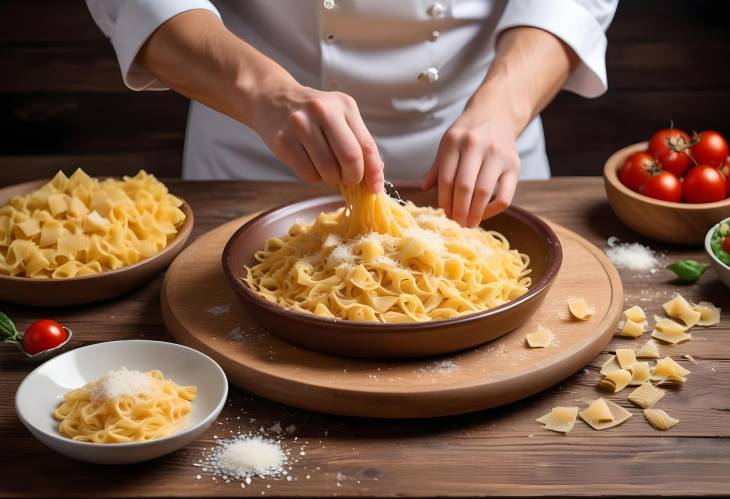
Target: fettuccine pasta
[(78, 225), (379, 260), (92, 414)]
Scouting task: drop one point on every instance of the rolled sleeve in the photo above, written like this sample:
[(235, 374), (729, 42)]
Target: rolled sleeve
[(135, 22), (580, 25)]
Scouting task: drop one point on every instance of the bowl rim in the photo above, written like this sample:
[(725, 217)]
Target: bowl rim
[(708, 248), (183, 232), (610, 174), (555, 253), (209, 418)]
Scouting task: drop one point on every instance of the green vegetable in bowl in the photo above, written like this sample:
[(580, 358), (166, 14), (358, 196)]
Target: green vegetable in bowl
[(720, 242)]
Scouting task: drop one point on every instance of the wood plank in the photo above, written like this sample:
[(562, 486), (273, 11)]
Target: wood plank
[(46, 21)]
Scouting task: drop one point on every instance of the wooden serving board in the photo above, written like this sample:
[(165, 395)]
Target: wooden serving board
[(201, 311)]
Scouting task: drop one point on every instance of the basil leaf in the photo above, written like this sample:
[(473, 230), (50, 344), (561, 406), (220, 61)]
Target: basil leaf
[(8, 332), (688, 271)]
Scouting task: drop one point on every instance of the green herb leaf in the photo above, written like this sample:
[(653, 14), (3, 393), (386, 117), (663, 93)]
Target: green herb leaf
[(8, 332), (688, 271)]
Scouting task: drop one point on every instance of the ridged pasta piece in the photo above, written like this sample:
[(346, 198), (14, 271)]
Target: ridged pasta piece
[(603, 414), (615, 381), (580, 309), (631, 329), (646, 396), (709, 313), (659, 419), (541, 338), (560, 419), (635, 313), (625, 357), (648, 350), (679, 308)]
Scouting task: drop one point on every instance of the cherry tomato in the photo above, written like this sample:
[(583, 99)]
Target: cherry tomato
[(726, 244), (43, 335), (636, 169), (704, 184), (670, 146), (710, 149), (662, 185)]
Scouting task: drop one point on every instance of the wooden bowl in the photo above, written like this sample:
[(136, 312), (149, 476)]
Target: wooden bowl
[(525, 232), (680, 223), (90, 288)]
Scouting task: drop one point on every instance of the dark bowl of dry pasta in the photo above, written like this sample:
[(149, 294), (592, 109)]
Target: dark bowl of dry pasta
[(61, 276), (373, 333)]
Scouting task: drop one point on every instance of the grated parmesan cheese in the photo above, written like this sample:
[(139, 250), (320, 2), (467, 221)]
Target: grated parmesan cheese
[(632, 256), (248, 456), (341, 254), (121, 383)]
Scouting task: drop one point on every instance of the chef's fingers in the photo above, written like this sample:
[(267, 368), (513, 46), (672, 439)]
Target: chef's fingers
[(312, 138), (505, 193), (430, 179), (482, 194), (470, 162), (293, 154), (372, 163), (447, 159), (341, 140)]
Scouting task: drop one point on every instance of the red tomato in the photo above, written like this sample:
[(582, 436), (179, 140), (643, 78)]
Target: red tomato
[(704, 184), (662, 185), (670, 147), (636, 170), (43, 335), (726, 244), (710, 149)]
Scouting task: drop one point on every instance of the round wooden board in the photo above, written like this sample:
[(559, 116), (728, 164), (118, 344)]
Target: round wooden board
[(201, 311)]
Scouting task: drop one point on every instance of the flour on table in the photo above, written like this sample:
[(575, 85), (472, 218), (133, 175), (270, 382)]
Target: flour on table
[(219, 310)]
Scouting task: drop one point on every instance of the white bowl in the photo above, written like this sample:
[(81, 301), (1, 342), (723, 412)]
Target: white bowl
[(722, 270), (43, 389)]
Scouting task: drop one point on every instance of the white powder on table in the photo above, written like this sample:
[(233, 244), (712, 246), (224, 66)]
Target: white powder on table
[(632, 256), (248, 456)]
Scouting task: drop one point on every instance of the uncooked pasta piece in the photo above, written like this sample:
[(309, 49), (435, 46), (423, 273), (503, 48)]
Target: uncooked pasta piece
[(659, 419), (635, 313), (603, 414), (670, 337), (625, 357), (646, 396), (640, 373), (615, 381), (632, 329), (648, 350), (541, 338), (560, 419), (709, 313), (667, 369), (609, 366), (580, 309), (668, 325), (679, 308)]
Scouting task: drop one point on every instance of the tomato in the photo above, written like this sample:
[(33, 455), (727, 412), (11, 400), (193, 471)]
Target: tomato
[(662, 185), (726, 244), (670, 147), (710, 148), (636, 169), (43, 335), (704, 184)]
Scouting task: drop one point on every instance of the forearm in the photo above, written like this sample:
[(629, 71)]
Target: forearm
[(196, 55), (529, 68)]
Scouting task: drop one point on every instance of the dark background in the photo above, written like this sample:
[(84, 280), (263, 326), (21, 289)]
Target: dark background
[(63, 104)]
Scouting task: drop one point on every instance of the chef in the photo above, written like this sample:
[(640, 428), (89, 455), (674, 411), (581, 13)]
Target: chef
[(447, 92)]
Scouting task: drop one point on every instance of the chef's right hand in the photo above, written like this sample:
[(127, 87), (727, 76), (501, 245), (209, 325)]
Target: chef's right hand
[(318, 135)]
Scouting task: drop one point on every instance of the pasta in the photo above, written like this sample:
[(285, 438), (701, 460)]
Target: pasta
[(640, 373), (670, 336), (378, 260), (615, 381), (659, 419), (635, 313), (603, 414), (646, 396), (580, 309), (625, 357), (76, 226), (540, 338), (609, 366), (648, 350), (124, 406), (668, 325), (632, 329), (560, 419), (667, 369), (680, 308), (709, 313)]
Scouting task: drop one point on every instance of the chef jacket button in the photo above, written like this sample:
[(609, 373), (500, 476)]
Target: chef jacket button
[(437, 10), (431, 74), (435, 34), (330, 38), (328, 4)]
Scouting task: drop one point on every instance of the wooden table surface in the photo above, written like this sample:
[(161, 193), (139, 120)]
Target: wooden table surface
[(500, 452)]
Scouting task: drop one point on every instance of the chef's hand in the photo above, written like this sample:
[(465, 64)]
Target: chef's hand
[(476, 158), (318, 135)]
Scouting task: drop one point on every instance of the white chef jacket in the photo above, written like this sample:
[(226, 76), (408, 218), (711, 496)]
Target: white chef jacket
[(410, 65)]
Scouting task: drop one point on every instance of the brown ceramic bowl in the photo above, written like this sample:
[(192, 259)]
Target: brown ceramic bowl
[(86, 289), (525, 232), (679, 223)]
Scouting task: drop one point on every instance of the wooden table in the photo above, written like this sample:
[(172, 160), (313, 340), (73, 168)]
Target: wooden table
[(500, 452)]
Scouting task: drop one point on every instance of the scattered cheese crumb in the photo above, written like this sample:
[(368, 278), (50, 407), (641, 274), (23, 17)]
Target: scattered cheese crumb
[(121, 383), (632, 256)]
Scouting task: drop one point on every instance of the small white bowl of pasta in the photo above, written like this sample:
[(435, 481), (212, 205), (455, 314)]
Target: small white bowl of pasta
[(187, 373)]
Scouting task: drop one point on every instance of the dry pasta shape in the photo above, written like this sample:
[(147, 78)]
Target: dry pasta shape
[(615, 381), (635, 313), (670, 337), (648, 350), (610, 365), (709, 313), (667, 369), (580, 309), (668, 325), (541, 338), (560, 419), (602, 414), (659, 419), (631, 329), (640, 373), (646, 396), (625, 357), (679, 308)]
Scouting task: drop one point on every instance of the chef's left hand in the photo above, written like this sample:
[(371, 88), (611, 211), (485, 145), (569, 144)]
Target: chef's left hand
[(476, 159)]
